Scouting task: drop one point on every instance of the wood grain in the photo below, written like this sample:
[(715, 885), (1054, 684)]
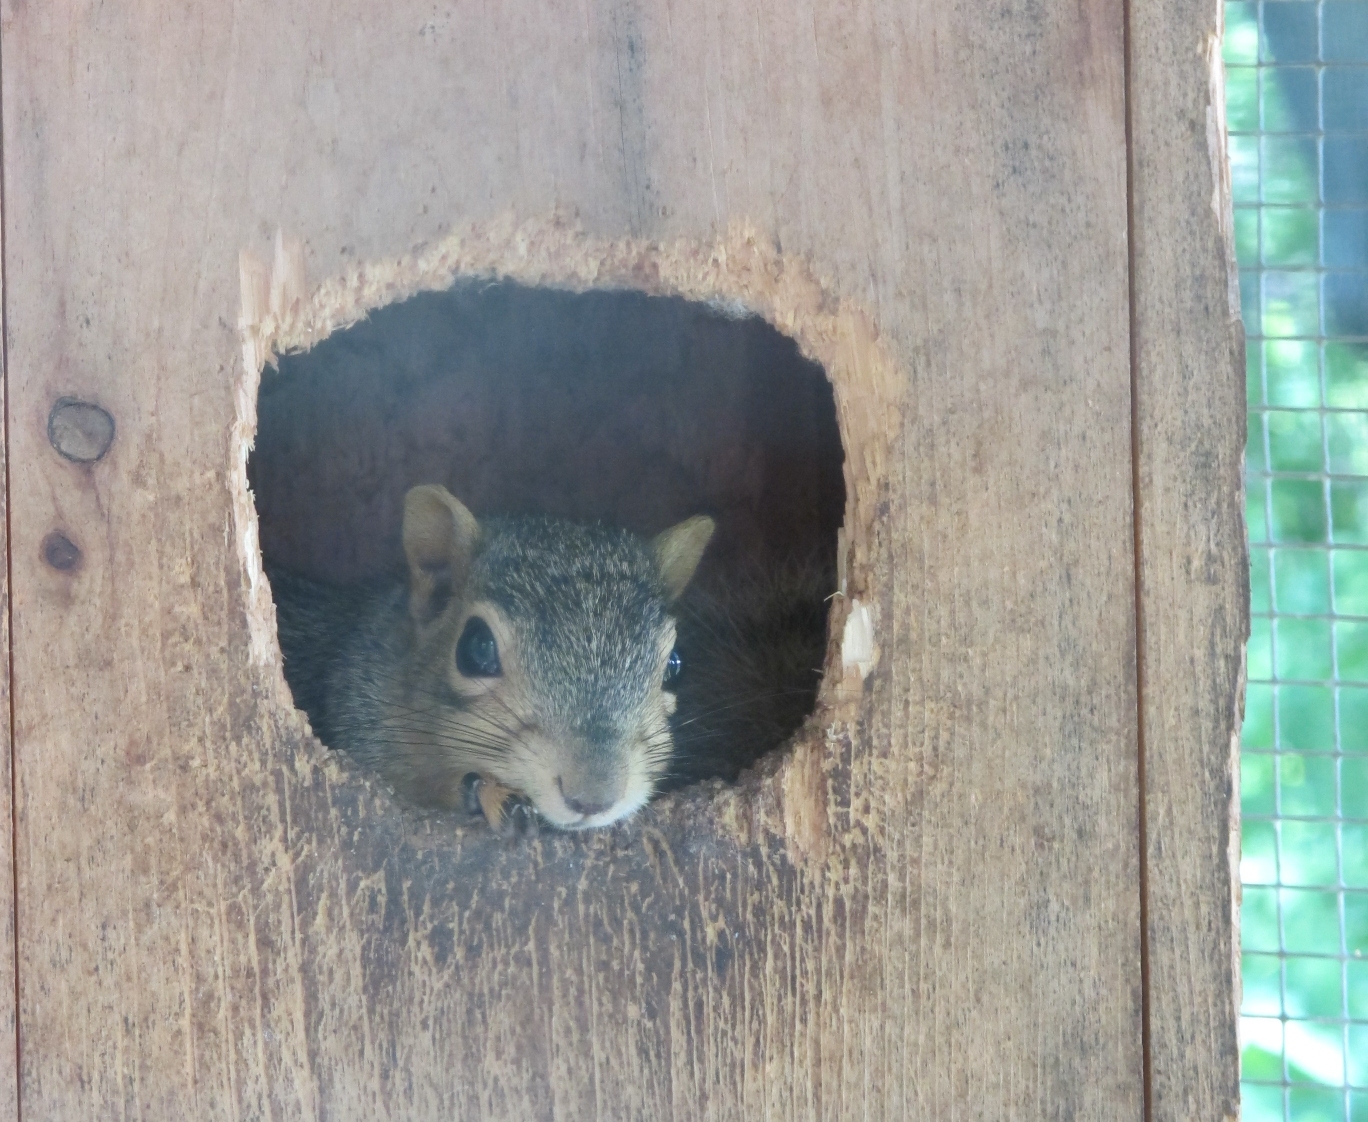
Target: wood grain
[(9, 1013), (1193, 561), (930, 908)]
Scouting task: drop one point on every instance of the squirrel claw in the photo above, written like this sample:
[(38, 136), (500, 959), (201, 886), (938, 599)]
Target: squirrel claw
[(507, 814), (520, 819)]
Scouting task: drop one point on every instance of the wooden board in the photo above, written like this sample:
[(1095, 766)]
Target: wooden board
[(929, 910), (9, 1072), (1193, 562)]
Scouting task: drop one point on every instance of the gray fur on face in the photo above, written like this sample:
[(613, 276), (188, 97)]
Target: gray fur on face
[(589, 611)]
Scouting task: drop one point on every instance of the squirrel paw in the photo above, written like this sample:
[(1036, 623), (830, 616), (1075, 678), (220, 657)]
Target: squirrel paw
[(508, 814)]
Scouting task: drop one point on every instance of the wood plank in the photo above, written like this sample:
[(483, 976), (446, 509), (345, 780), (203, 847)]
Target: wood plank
[(1193, 558), (929, 912), (9, 1069)]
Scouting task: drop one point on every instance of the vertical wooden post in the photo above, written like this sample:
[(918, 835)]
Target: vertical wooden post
[(9, 1013), (1192, 558)]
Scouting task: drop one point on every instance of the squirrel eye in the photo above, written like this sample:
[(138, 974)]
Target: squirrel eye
[(674, 666), (477, 654)]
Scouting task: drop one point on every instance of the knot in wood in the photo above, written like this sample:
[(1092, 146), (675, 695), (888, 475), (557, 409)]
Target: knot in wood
[(80, 431), (61, 552)]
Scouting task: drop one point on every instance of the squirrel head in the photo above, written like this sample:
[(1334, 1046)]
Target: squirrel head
[(546, 647)]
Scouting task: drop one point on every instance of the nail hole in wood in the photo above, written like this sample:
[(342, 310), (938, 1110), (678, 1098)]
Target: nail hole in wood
[(61, 552), (80, 431)]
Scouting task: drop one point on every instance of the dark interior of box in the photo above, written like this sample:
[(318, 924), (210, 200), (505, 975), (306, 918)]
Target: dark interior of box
[(614, 406)]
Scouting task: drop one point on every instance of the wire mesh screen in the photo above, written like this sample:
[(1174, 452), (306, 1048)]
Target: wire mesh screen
[(1297, 102)]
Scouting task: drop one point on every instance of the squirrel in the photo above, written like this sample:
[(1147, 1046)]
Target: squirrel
[(523, 666), (752, 648)]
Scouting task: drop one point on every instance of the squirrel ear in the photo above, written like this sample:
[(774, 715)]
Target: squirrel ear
[(679, 549), (439, 539)]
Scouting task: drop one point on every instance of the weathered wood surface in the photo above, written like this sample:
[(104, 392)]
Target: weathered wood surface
[(933, 913), (9, 1076), (1193, 564)]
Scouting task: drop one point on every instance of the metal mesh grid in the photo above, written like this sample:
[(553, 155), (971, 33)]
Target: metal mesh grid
[(1297, 98)]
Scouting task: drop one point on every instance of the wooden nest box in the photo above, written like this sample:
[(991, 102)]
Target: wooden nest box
[(945, 289)]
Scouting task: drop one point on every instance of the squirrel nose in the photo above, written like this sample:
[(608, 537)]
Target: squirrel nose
[(589, 796)]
